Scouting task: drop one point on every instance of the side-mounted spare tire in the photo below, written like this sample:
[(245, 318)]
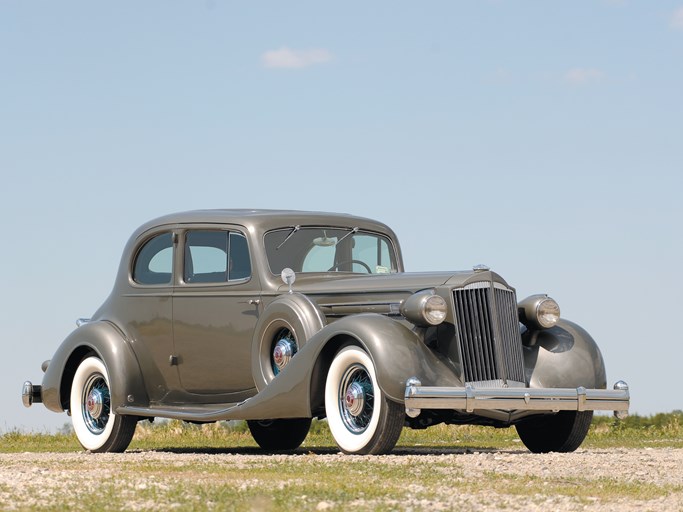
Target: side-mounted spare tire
[(282, 329)]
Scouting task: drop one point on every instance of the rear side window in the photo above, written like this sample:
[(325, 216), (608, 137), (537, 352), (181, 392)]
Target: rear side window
[(239, 264), (154, 261)]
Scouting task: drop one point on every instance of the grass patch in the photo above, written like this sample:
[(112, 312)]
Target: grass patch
[(604, 489), (16, 441), (663, 430), (660, 430)]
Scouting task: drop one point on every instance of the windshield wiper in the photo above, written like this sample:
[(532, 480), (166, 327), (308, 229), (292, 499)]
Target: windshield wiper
[(354, 230), (294, 230)]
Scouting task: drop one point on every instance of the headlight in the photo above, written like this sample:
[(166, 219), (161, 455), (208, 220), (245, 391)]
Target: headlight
[(424, 308), (539, 311)]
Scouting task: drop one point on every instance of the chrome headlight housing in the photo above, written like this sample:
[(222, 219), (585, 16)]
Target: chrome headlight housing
[(424, 308), (539, 311)]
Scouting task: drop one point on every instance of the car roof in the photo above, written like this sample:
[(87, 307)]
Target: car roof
[(264, 220)]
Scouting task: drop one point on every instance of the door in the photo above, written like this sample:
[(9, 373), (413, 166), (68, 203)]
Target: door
[(147, 307), (215, 312)]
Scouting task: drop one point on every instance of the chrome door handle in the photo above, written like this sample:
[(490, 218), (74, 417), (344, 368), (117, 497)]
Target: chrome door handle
[(254, 302)]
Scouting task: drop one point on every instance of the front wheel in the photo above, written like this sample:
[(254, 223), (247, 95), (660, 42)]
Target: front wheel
[(280, 435), (560, 432), (361, 418), (97, 428)]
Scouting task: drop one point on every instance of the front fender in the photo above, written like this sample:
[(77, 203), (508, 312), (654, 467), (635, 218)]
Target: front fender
[(397, 352), (565, 356), (105, 341)]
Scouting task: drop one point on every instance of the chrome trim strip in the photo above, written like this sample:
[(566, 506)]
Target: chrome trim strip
[(357, 304), (345, 309), (530, 399)]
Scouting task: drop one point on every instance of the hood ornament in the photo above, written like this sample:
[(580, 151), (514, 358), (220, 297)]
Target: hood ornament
[(481, 268)]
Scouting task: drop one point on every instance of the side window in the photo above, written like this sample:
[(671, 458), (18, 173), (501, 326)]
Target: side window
[(206, 257), (215, 257), (374, 251), (154, 261), (239, 265)]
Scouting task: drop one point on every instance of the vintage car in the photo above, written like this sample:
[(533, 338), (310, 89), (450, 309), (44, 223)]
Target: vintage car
[(278, 317)]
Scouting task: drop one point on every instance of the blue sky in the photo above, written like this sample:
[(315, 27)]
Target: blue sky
[(541, 138)]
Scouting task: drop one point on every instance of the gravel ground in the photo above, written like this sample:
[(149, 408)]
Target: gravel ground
[(38, 480)]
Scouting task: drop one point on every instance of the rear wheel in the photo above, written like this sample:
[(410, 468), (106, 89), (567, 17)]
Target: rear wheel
[(361, 418), (280, 435), (97, 428), (561, 432)]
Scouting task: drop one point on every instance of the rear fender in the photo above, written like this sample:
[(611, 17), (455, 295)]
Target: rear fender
[(101, 339)]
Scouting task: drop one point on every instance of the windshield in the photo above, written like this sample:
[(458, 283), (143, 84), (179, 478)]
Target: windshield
[(329, 249)]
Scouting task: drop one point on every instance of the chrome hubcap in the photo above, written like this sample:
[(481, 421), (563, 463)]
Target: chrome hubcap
[(96, 405), (284, 350), (354, 399)]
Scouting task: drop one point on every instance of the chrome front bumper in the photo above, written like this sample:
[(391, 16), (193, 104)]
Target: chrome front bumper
[(418, 397)]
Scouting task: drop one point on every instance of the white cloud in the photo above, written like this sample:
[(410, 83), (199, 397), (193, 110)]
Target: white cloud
[(677, 19), (584, 76), (503, 75), (286, 58)]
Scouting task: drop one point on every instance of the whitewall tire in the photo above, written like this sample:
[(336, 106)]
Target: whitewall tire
[(96, 426), (362, 420)]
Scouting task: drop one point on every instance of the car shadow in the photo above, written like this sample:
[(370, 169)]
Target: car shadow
[(399, 451)]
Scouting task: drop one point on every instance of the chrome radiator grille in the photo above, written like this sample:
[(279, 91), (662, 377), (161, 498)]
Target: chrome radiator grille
[(488, 333)]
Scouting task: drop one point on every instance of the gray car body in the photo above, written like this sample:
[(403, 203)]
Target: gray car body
[(194, 351)]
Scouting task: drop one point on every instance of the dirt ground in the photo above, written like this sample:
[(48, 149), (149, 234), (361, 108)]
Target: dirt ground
[(37, 480)]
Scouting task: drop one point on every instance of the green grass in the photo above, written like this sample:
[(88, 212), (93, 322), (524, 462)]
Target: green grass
[(661, 430)]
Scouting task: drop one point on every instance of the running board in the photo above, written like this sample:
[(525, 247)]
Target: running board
[(208, 413), (278, 400)]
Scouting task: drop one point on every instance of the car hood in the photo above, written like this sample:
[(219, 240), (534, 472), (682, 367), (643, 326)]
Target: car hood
[(340, 294), (410, 282)]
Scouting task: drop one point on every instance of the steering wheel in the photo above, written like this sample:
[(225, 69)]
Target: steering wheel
[(337, 265)]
